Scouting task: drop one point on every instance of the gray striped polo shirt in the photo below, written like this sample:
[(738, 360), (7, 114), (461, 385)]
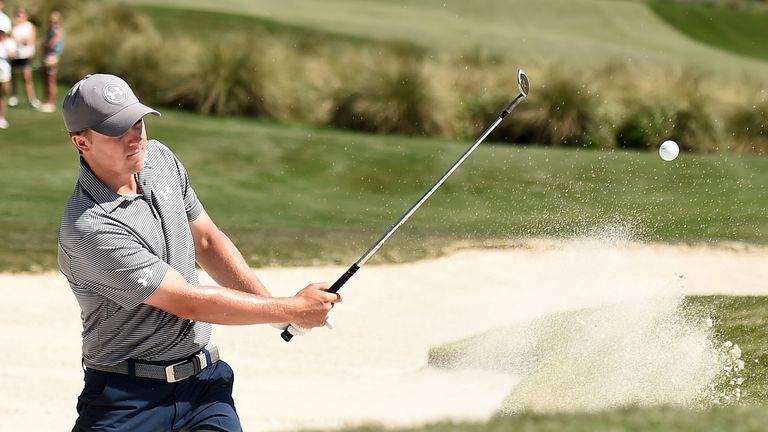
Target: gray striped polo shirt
[(115, 251)]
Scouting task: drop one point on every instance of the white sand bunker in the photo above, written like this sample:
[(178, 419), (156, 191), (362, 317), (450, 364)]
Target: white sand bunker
[(639, 349)]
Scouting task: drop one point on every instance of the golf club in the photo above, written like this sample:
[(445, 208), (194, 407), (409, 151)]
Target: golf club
[(522, 83)]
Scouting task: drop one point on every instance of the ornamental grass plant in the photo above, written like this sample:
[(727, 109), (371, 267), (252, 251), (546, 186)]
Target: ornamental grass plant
[(390, 87)]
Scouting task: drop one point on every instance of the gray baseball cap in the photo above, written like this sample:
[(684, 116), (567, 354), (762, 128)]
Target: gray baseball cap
[(103, 103)]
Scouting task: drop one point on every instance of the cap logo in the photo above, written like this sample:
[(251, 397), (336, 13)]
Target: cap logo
[(114, 94)]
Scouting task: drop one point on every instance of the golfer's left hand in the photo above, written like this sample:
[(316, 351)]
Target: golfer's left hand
[(296, 330)]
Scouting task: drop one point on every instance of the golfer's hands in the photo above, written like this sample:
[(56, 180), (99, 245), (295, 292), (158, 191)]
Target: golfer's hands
[(312, 304), (293, 329)]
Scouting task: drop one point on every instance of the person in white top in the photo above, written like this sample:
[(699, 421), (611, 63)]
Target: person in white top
[(25, 34), (7, 50), (4, 20)]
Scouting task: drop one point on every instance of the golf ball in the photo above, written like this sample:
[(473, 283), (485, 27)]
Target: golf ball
[(669, 150)]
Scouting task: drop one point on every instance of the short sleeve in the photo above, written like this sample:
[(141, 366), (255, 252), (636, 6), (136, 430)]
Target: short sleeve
[(112, 263), (192, 205)]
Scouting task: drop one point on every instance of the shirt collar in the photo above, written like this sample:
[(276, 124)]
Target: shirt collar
[(102, 195)]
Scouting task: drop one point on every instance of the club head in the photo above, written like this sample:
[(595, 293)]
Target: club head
[(522, 82)]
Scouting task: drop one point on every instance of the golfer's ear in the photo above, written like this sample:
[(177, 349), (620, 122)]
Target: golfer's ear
[(80, 141)]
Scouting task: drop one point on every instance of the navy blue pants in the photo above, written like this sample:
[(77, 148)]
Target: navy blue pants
[(115, 402)]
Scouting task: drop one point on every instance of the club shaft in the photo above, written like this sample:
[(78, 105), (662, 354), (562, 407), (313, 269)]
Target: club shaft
[(404, 218), (287, 336), (370, 252)]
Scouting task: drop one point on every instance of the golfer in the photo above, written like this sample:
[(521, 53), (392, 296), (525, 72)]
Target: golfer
[(129, 239)]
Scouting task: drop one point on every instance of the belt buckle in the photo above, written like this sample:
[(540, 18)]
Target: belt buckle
[(170, 375), (202, 360)]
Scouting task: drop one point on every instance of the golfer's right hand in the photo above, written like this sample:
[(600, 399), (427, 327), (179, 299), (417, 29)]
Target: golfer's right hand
[(313, 305)]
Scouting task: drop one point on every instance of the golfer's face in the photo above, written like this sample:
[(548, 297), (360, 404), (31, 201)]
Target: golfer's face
[(123, 154)]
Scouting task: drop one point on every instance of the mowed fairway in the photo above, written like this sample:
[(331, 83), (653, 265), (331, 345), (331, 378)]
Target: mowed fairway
[(579, 33), (739, 31), (296, 195)]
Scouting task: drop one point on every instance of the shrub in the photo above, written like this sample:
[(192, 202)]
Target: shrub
[(40, 10), (476, 86), (296, 83), (646, 127), (562, 111), (749, 128), (125, 43), (394, 99), (478, 110), (674, 105), (696, 129), (226, 78)]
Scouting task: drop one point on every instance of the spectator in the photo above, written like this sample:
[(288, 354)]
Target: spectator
[(7, 50), (25, 34), (4, 20), (52, 48)]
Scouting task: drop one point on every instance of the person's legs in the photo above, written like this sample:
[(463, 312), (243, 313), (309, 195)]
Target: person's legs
[(3, 107), (5, 73), (16, 68), (116, 402), (3, 85), (50, 85), (204, 402), (50, 70), (29, 86), (46, 89), (49, 89)]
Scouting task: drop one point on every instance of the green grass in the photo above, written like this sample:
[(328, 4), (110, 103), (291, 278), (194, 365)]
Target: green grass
[(740, 319), (211, 24), (743, 319), (298, 195), (661, 419), (578, 33), (738, 31)]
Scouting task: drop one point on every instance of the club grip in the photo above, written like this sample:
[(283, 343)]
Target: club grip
[(286, 335), (343, 279)]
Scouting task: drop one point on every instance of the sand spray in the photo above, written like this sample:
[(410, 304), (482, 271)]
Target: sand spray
[(643, 346)]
